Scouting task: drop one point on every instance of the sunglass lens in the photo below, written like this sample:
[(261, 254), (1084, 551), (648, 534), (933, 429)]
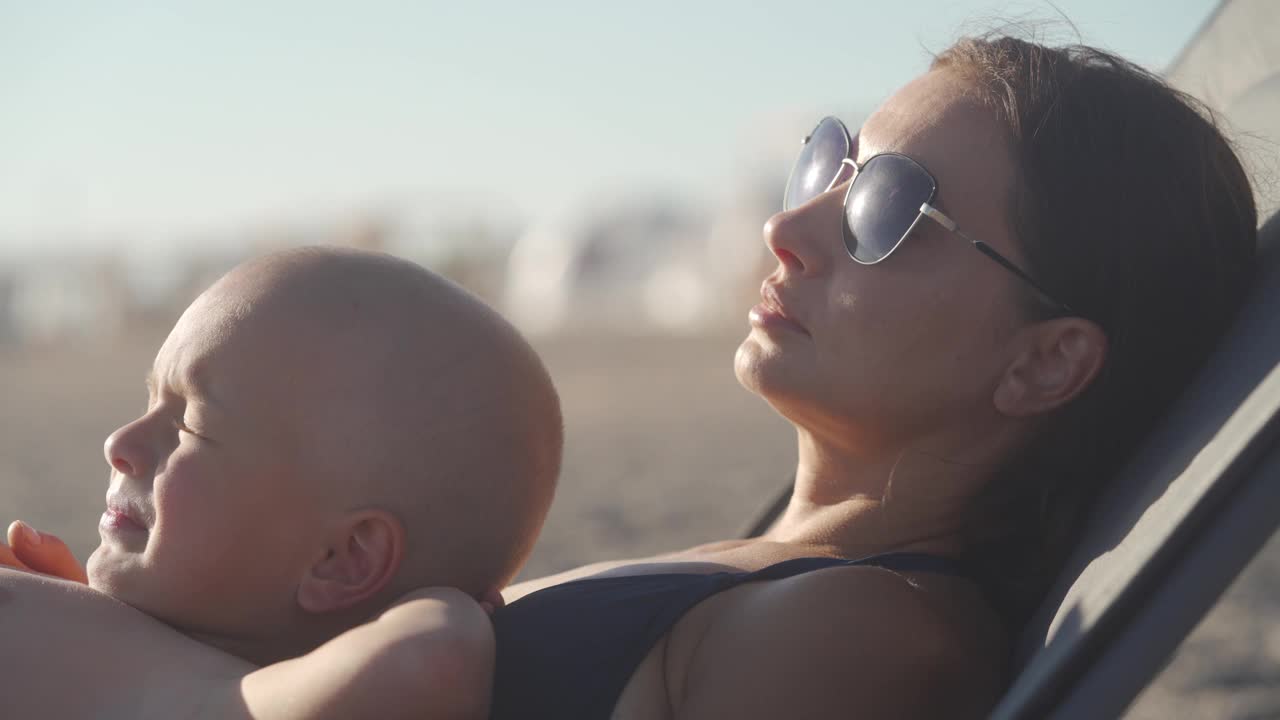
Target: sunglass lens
[(883, 201), (818, 163)]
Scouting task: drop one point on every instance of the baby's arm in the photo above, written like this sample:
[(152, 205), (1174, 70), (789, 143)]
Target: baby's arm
[(71, 652), (429, 656)]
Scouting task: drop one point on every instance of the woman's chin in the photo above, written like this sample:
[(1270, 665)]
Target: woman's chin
[(746, 363), (761, 368)]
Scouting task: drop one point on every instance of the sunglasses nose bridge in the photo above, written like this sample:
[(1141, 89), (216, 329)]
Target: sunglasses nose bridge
[(845, 171)]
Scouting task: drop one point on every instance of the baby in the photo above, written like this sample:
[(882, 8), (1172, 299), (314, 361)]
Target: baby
[(326, 432)]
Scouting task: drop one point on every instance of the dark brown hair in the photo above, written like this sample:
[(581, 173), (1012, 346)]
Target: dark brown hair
[(1131, 207)]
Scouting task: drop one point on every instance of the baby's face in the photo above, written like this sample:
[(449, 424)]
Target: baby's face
[(209, 520)]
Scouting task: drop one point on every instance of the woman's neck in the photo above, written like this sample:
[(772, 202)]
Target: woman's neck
[(857, 504)]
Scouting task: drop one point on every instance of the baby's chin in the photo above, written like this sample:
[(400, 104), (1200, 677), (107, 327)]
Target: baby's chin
[(130, 581), (99, 575), (113, 572)]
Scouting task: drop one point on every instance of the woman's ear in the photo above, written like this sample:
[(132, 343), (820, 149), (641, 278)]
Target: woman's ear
[(1058, 359), (363, 557)]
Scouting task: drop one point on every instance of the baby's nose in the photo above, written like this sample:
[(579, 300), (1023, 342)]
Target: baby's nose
[(126, 452)]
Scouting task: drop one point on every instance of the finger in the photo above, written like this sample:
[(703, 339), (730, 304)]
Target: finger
[(491, 601), (8, 559), (45, 552)]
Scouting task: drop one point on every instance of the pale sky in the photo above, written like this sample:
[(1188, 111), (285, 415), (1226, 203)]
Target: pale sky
[(153, 122)]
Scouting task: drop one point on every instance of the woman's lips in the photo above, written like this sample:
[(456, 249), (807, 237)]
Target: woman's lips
[(765, 317), (770, 314)]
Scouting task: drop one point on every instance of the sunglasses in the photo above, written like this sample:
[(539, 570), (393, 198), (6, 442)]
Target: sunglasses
[(886, 199)]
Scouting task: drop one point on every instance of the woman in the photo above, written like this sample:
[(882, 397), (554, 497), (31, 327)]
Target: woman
[(981, 302)]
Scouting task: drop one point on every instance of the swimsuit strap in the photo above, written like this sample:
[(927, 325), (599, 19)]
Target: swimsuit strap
[(898, 561)]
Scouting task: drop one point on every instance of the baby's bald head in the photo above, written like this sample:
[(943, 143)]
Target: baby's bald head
[(414, 397), (327, 429)]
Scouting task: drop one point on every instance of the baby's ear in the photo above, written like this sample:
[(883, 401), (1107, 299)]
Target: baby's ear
[(361, 560)]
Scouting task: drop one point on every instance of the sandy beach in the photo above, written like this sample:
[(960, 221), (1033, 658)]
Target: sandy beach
[(648, 419)]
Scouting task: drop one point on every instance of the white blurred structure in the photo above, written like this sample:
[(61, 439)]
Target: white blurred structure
[(54, 300), (628, 262), (623, 264), (87, 295), (642, 264)]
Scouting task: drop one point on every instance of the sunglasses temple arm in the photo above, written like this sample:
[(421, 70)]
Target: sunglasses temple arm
[(939, 217), (987, 250)]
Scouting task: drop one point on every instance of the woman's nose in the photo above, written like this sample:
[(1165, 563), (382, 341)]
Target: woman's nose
[(130, 450), (798, 238)]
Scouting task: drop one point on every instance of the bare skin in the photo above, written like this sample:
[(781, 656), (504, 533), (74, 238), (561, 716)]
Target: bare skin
[(317, 443), (906, 381)]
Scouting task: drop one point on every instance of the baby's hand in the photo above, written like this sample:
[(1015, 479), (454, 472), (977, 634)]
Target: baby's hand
[(34, 551)]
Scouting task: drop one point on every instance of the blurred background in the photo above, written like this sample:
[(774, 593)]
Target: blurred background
[(598, 171)]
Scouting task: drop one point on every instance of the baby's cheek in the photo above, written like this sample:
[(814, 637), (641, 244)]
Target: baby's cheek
[(192, 523)]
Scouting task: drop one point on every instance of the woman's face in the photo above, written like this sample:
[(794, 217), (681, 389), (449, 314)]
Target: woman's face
[(880, 356)]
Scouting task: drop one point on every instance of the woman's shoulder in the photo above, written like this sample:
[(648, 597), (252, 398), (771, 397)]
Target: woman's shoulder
[(843, 637), (921, 613)]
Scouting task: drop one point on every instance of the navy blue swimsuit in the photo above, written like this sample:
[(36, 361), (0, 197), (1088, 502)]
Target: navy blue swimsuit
[(567, 651)]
